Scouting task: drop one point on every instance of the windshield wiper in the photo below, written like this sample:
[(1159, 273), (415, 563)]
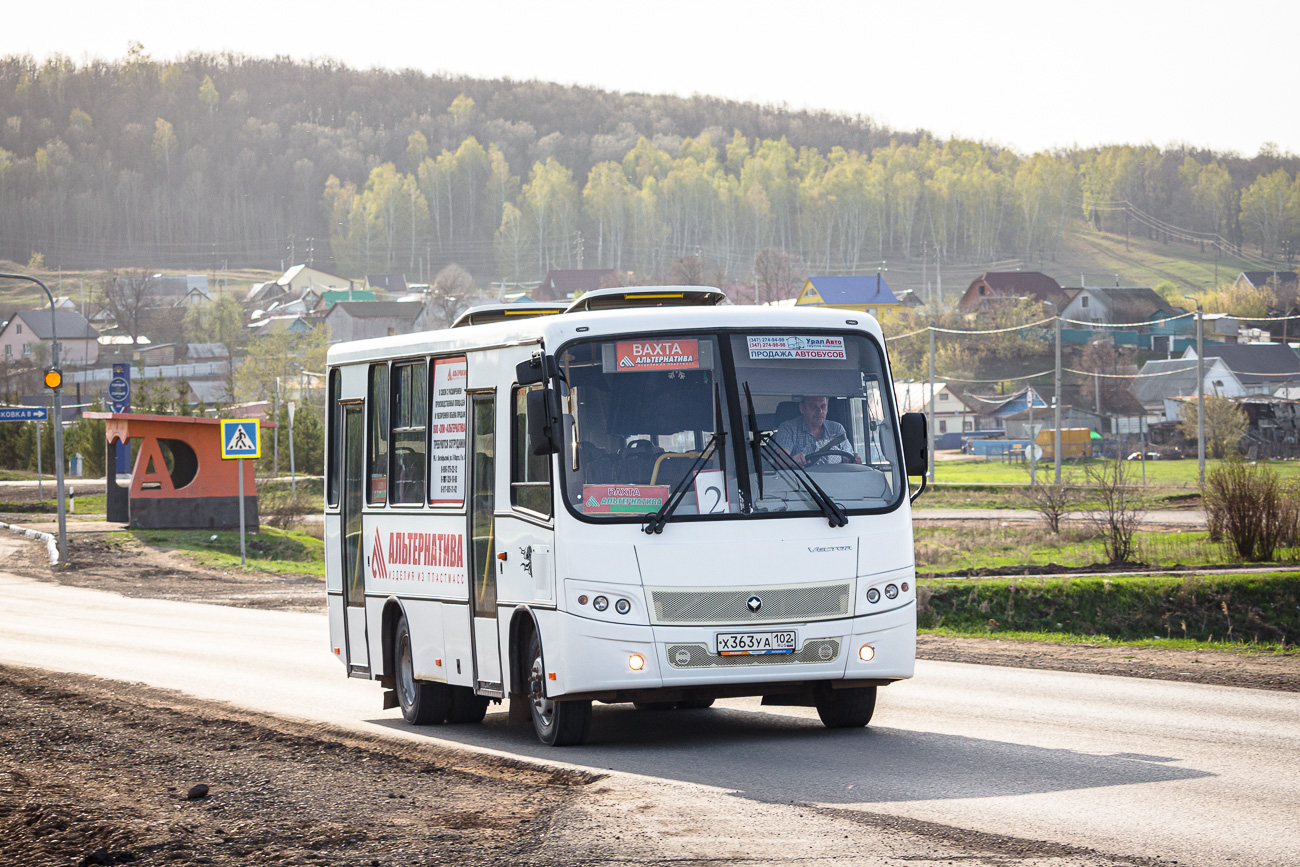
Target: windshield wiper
[(755, 440), (833, 511), (656, 522)]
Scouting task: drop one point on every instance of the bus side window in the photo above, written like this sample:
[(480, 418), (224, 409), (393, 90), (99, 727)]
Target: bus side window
[(530, 474), (410, 419), (377, 463), (333, 438)]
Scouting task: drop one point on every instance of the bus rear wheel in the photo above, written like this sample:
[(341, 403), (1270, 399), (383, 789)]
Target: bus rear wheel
[(557, 723), (423, 703), (466, 706), (845, 708)]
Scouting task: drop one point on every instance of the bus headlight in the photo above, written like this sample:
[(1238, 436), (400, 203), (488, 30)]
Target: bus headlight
[(866, 653), (636, 662), (873, 595), (622, 606), (600, 603)]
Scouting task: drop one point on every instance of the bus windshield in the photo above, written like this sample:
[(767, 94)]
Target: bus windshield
[(643, 414)]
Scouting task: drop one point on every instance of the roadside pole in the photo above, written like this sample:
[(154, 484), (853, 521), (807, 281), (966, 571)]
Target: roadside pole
[(40, 471), (54, 381), (242, 550), (241, 438), (293, 471)]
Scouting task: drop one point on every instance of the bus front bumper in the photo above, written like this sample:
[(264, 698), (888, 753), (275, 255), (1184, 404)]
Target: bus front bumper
[(616, 662)]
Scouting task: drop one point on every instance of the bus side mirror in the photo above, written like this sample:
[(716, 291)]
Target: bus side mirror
[(544, 420), (535, 370), (916, 451)]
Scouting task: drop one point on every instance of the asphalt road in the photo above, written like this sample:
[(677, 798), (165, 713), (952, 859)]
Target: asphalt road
[(1076, 769)]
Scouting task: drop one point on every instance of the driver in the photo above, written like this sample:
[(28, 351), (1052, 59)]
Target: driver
[(811, 431)]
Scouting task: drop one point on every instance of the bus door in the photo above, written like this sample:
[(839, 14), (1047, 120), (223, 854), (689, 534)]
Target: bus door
[(354, 568), (482, 532)]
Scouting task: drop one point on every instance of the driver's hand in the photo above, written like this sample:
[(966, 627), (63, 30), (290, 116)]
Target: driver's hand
[(800, 459)]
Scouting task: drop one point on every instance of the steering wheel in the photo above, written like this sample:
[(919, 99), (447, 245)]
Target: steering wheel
[(828, 451)]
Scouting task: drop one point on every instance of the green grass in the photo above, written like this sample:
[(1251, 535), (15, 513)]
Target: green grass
[(966, 550), (1164, 473), (993, 496), (18, 476), (1259, 610), (1108, 641), (289, 552)]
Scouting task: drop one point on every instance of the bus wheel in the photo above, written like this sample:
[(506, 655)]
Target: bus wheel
[(466, 707), (423, 703), (845, 708), (557, 723)]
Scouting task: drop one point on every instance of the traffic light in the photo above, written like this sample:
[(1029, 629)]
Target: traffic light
[(53, 378)]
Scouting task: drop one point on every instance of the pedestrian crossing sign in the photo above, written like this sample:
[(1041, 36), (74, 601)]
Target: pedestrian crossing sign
[(240, 438)]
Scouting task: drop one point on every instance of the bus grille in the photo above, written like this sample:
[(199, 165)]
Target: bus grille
[(779, 604), (820, 650)]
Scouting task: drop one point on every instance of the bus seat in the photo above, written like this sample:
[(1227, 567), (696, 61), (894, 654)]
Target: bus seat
[(636, 463), (671, 466), (785, 410)]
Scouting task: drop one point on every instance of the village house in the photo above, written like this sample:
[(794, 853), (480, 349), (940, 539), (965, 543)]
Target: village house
[(358, 320), (993, 287), (868, 294), (27, 329), (951, 415), (1261, 368)]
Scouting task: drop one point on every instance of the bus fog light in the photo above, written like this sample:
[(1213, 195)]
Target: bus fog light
[(636, 662), (866, 653), (873, 595), (622, 606), (891, 590), (600, 603)]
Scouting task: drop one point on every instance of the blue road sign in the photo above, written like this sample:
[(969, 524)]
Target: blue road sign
[(24, 413), (119, 388), (240, 438)]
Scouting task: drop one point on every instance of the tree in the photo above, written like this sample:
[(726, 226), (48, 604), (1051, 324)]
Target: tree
[(449, 294), (1270, 210), (128, 298), (1225, 425), (1108, 390), (778, 273), (280, 356), (689, 271)]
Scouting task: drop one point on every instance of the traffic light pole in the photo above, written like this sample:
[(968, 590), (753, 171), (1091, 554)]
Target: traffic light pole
[(58, 420)]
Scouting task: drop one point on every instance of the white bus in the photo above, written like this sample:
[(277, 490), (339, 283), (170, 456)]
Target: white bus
[(621, 503)]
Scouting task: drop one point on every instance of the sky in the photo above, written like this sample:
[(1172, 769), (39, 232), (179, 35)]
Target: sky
[(1026, 75)]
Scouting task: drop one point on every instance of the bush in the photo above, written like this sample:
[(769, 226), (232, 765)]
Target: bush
[(1251, 508), (1120, 513)]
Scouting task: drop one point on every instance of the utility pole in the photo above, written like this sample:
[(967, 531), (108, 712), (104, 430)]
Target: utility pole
[(1056, 400), (276, 430), (1200, 389), (57, 398), (931, 426)]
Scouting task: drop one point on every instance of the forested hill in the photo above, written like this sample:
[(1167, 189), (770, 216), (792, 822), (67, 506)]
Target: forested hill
[(214, 161)]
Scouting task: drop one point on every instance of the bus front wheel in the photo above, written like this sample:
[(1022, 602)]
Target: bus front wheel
[(557, 723), (845, 708), (423, 703)]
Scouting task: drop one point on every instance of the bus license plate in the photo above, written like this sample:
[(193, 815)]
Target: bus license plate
[(737, 643)]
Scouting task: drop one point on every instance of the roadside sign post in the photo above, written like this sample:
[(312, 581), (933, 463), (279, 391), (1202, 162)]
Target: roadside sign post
[(293, 472), (40, 471), (119, 396), (36, 414), (241, 438)]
